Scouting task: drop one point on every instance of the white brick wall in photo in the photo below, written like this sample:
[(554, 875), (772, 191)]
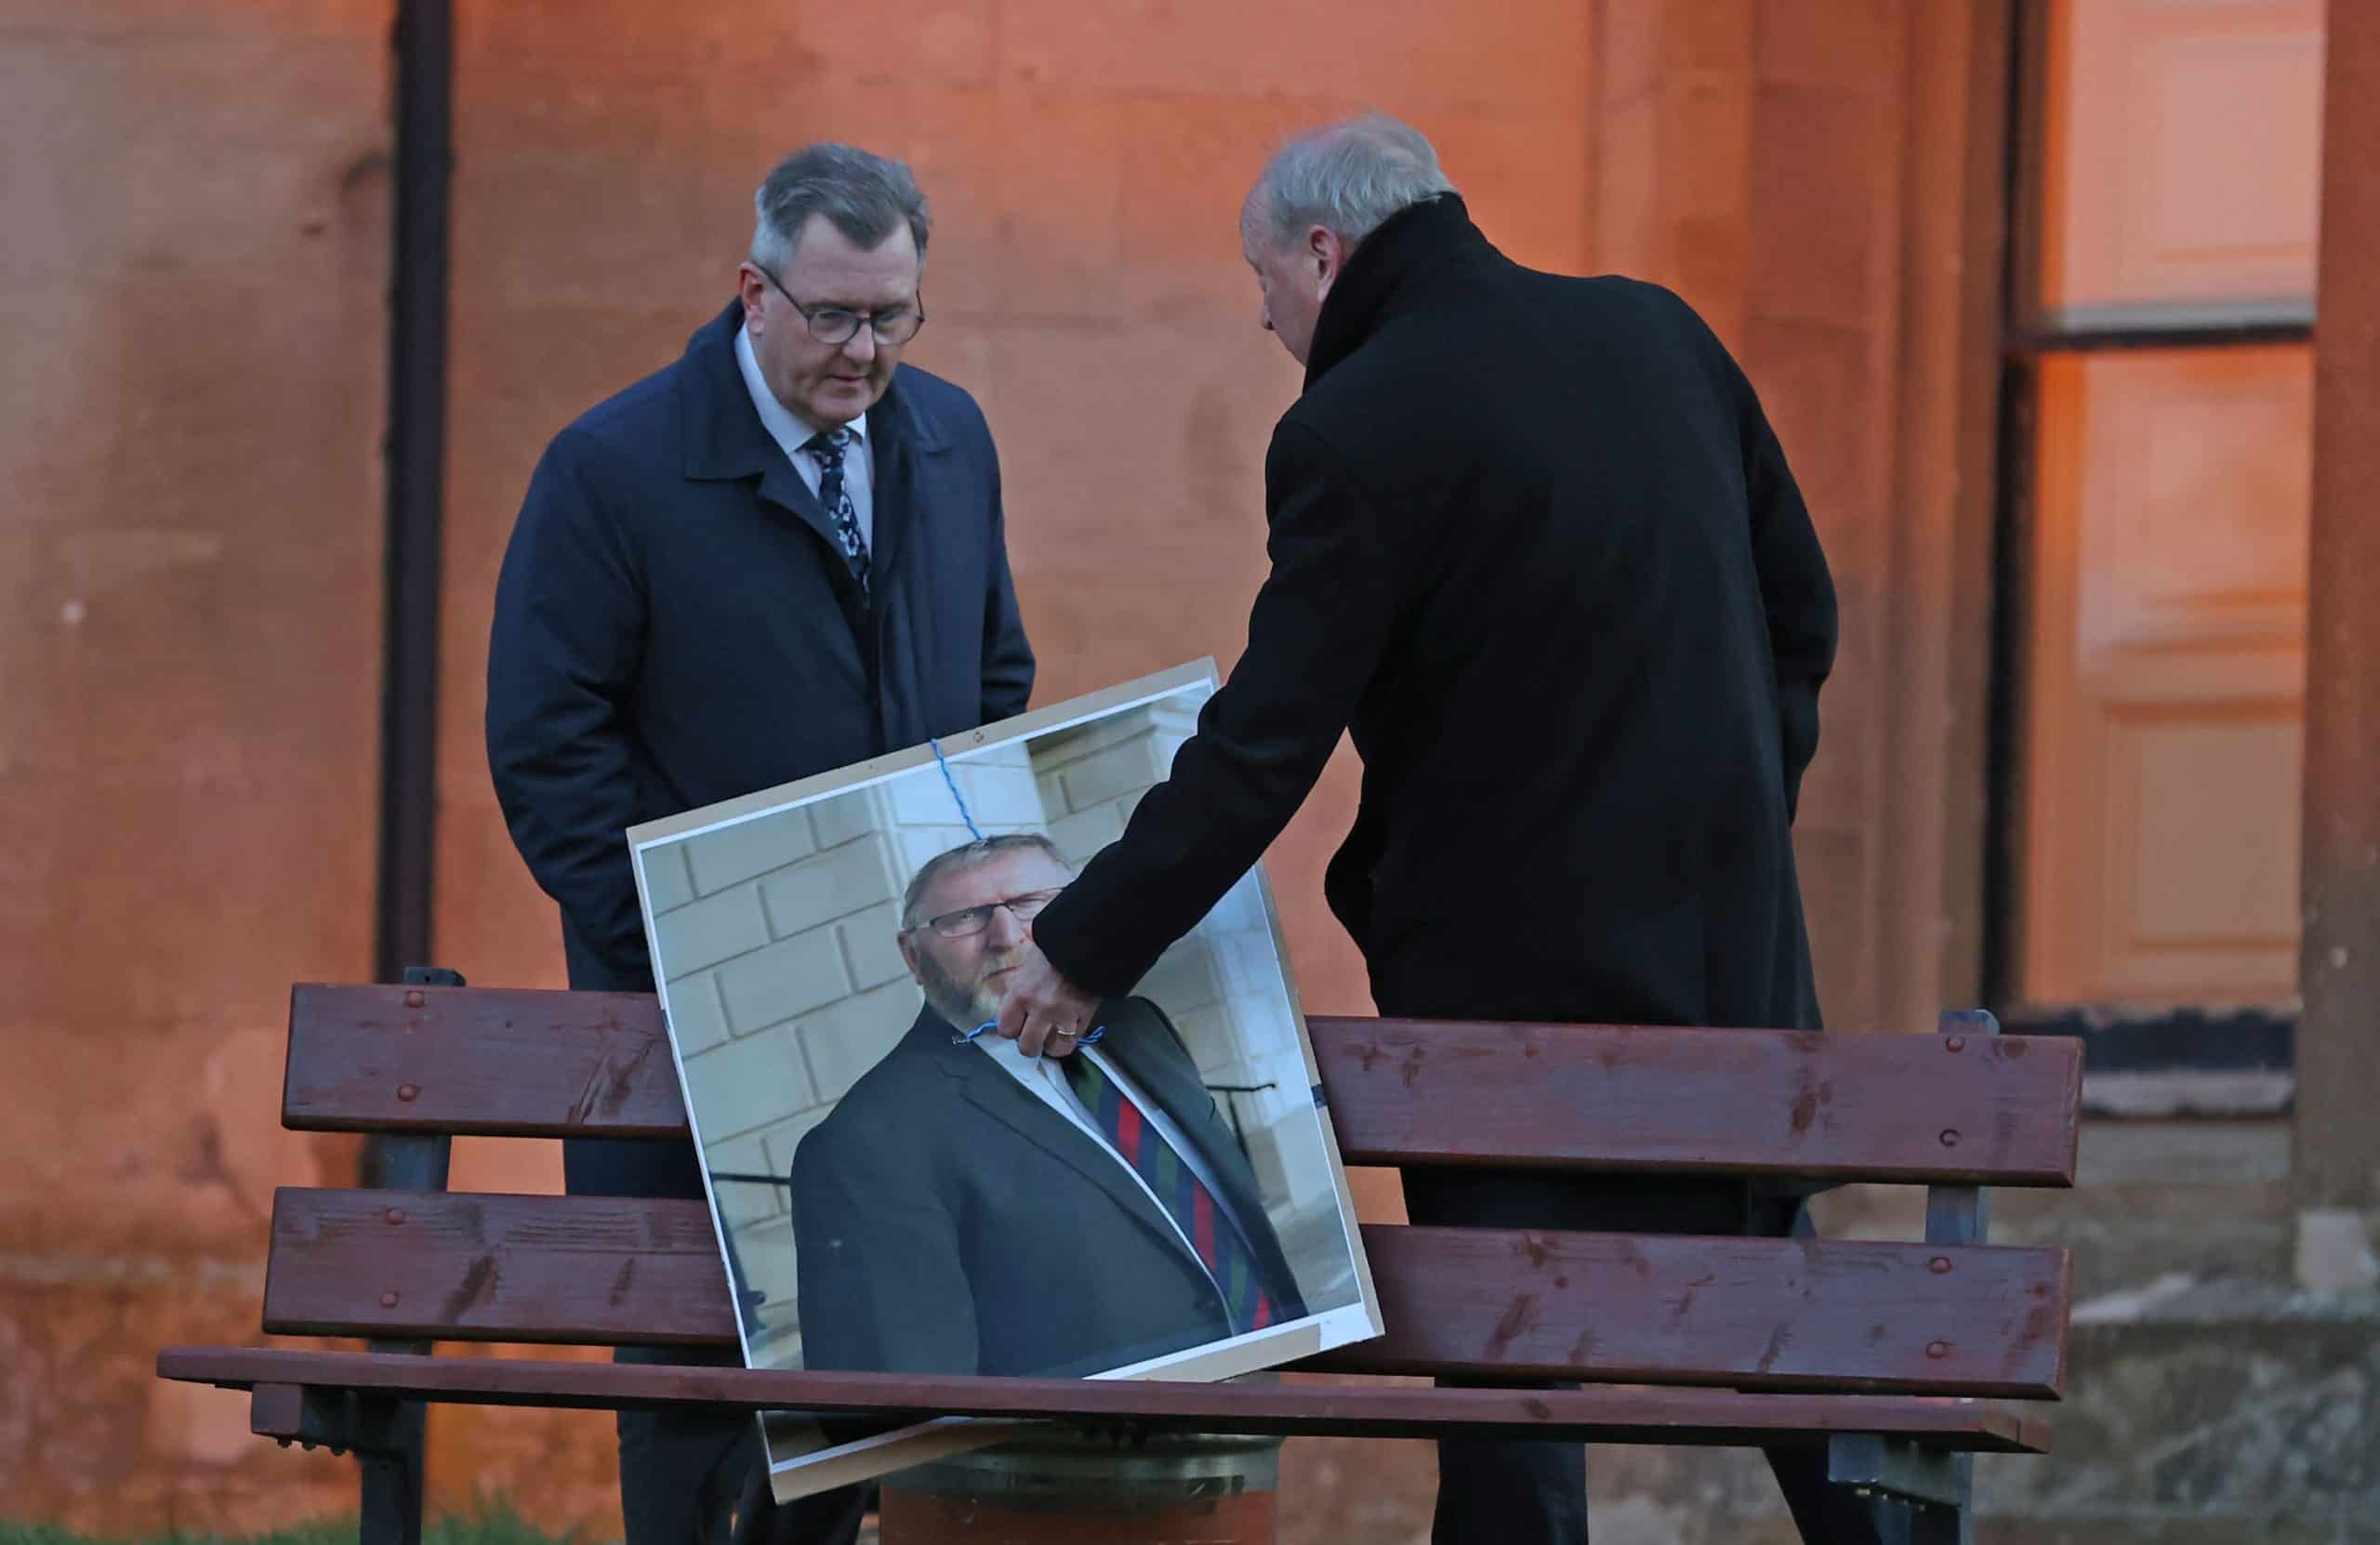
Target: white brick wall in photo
[(784, 983)]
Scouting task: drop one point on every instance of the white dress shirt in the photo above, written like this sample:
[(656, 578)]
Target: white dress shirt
[(791, 431)]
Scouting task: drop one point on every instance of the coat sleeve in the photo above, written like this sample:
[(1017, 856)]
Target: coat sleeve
[(563, 656), (1315, 637), (877, 1265), (1008, 658), (1796, 591)]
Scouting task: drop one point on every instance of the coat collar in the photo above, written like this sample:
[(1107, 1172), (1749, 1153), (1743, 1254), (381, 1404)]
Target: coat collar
[(726, 442), (1385, 273)]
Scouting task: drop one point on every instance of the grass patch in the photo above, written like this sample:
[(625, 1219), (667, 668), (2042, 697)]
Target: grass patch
[(495, 1525)]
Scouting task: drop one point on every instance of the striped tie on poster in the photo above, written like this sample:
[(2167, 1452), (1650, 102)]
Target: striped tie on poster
[(1210, 1230)]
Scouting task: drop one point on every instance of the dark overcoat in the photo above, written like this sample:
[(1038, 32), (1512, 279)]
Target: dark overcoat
[(1534, 543), (675, 626)]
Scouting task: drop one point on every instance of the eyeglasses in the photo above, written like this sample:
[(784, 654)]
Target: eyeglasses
[(894, 324), (971, 920)]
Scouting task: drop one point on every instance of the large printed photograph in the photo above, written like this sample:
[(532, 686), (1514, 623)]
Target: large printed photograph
[(897, 1187)]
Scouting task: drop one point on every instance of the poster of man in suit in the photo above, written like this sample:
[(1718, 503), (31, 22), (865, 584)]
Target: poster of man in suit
[(960, 1177), (896, 1190)]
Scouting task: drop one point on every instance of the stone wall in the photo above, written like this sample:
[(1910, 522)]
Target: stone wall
[(193, 247)]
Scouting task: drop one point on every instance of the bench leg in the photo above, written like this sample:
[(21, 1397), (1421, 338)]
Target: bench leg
[(393, 1431), (1898, 1521), (1948, 1523), (392, 1476), (384, 1435), (1905, 1493)]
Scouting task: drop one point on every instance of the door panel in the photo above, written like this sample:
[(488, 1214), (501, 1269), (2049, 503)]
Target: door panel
[(2166, 676), (2182, 148)]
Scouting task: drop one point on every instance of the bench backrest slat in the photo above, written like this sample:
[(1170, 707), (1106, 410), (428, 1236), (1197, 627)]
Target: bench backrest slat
[(1948, 1109), (493, 1062), (1752, 1314), (1845, 1107)]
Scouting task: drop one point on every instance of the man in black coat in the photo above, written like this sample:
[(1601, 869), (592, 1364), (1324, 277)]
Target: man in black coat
[(783, 554), (1534, 544), (965, 1210)]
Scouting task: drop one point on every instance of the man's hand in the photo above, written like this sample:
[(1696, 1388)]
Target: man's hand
[(1042, 1012)]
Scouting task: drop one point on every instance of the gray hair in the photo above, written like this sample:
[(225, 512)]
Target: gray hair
[(966, 856), (863, 195), (1347, 177)]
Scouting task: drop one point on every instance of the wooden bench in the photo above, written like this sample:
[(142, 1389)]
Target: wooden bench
[(1896, 1355)]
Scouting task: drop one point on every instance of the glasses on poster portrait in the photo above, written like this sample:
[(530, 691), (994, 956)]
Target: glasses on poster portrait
[(892, 326), (971, 920)]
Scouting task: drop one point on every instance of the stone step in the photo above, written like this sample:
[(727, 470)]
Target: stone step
[(2210, 1414), (2124, 1238), (2208, 1404), (2194, 1402)]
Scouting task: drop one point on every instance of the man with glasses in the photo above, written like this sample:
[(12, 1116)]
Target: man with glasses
[(782, 554), (966, 1209)]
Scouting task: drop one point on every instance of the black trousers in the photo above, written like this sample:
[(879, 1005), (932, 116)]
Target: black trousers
[(1520, 1493), (696, 1477), (687, 1477)]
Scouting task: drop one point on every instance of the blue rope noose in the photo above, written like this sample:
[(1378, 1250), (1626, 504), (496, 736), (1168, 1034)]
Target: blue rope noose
[(977, 833), (958, 798)]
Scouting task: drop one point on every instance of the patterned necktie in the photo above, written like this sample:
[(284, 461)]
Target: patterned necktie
[(1208, 1227), (828, 448)]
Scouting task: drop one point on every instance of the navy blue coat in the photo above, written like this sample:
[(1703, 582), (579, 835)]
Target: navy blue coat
[(674, 625)]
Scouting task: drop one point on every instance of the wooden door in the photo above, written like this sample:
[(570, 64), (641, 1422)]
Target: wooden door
[(2165, 678), (2164, 657)]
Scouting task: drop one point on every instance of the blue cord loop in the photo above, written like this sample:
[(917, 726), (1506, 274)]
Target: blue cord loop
[(963, 1036), (956, 798)]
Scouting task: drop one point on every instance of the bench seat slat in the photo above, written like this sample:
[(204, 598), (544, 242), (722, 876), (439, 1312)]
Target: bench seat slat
[(1764, 1313), (1749, 1312), (1997, 1110), (481, 1266), (1628, 1415)]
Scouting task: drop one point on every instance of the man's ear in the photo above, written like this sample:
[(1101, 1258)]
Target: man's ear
[(751, 288), (908, 954), (1328, 254)]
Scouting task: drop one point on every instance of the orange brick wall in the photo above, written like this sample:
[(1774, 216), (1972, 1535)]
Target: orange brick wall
[(1821, 177), (193, 256), (1085, 284), (1086, 164), (193, 237)]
